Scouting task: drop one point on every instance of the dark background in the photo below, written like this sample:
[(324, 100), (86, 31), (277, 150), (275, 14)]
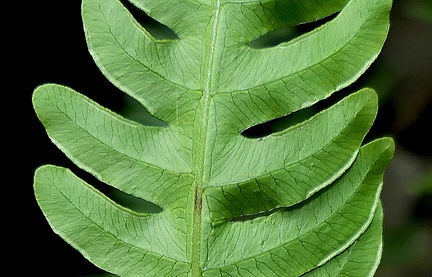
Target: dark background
[(45, 43)]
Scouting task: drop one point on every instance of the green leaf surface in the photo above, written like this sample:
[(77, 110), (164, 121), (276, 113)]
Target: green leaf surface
[(361, 258), (300, 201)]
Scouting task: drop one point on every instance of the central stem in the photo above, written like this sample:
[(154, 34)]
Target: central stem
[(200, 165)]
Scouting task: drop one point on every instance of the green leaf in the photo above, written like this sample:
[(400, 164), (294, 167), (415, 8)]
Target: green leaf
[(300, 201), (361, 258)]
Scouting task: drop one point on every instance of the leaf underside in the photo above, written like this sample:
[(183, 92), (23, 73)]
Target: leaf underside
[(299, 201)]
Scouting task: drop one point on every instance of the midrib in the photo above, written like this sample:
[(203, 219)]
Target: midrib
[(200, 149)]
